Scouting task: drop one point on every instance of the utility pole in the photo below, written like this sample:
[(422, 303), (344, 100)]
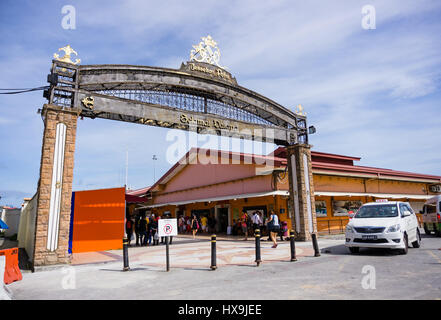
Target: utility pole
[(127, 167), (154, 158)]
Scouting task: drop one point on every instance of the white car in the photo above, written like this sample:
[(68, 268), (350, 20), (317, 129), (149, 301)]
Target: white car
[(390, 224)]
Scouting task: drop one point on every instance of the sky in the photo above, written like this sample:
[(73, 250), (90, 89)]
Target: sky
[(371, 92)]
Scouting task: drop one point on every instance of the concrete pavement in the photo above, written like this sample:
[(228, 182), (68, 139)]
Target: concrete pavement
[(334, 275), (186, 252)]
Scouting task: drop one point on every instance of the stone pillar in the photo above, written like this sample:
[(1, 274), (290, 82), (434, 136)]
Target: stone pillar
[(55, 186), (301, 189)]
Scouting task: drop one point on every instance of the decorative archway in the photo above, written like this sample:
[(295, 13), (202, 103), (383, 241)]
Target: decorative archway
[(200, 96)]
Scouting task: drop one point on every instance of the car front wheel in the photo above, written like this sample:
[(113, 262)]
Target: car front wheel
[(417, 242), (406, 245)]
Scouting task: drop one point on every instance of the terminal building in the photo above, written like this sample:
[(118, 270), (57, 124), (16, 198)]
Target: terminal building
[(224, 183)]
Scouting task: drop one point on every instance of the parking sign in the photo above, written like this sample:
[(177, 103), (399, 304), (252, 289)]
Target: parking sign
[(167, 227)]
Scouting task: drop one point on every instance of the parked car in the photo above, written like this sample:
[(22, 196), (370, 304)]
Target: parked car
[(391, 224)]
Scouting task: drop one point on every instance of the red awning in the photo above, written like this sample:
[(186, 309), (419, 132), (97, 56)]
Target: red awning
[(134, 199)]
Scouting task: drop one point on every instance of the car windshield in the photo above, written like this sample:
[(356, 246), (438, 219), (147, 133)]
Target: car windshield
[(378, 211)]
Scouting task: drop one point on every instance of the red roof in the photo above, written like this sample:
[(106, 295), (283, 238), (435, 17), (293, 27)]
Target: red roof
[(135, 199), (320, 161), (372, 170), (138, 192), (321, 157), (340, 163), (252, 158)]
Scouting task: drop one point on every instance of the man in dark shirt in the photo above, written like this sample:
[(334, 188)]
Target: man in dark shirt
[(211, 224), (143, 230), (137, 231)]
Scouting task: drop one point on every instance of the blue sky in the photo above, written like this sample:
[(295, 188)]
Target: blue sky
[(370, 93)]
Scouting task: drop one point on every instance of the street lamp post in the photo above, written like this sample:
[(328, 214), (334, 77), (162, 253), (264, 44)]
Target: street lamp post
[(154, 158)]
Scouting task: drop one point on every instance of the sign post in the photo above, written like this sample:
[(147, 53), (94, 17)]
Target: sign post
[(167, 228), (167, 259)]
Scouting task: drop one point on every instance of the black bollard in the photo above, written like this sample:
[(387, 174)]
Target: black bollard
[(315, 245), (167, 254), (213, 252), (126, 254), (293, 245), (257, 235)]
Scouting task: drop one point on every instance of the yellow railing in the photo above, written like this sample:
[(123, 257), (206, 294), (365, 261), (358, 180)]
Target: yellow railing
[(331, 226)]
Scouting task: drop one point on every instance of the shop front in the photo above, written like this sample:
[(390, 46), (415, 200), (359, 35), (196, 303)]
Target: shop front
[(340, 188)]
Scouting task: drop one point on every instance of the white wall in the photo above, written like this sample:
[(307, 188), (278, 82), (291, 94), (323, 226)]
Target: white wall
[(26, 230)]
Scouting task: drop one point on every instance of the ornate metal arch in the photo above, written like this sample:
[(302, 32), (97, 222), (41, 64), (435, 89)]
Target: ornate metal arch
[(197, 96)]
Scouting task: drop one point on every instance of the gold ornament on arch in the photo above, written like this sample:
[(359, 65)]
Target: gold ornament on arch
[(68, 51)]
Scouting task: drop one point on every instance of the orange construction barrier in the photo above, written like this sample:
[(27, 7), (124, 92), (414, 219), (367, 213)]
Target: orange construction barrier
[(12, 271)]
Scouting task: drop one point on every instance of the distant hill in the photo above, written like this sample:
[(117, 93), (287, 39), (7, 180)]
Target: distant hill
[(13, 198)]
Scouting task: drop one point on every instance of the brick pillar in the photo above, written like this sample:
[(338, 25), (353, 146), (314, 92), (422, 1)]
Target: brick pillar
[(299, 163), (53, 116)]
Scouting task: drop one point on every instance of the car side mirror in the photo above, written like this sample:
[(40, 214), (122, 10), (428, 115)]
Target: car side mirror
[(406, 213)]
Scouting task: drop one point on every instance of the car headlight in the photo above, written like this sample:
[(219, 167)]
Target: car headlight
[(349, 228), (394, 228)]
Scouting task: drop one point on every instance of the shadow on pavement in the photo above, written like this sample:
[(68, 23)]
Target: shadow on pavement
[(119, 270), (174, 243), (197, 269), (246, 265), (428, 236), (342, 250)]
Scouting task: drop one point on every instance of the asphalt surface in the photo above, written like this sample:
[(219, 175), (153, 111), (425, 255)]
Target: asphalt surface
[(336, 274)]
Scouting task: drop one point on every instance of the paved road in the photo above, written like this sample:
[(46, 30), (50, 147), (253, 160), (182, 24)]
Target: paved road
[(336, 274)]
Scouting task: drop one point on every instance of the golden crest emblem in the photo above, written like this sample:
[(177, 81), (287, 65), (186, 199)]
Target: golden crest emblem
[(88, 102), (68, 51), (206, 51)]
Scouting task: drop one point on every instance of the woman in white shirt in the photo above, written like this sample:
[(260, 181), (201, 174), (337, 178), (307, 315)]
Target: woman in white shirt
[(273, 227)]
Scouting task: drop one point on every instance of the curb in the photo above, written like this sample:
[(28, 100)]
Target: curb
[(50, 267)]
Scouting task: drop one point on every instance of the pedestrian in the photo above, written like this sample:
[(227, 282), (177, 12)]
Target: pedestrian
[(211, 224), (234, 230), (257, 220), (273, 227), (129, 228), (143, 230), (181, 224), (154, 228), (137, 229), (188, 225), (149, 229), (283, 230), (194, 226), (204, 223), (156, 237), (244, 224)]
